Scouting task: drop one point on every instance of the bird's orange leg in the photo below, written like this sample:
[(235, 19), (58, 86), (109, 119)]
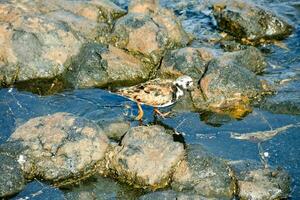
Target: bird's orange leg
[(141, 112), (163, 115)]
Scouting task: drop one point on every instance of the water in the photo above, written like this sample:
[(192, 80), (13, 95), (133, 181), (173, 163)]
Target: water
[(210, 130)]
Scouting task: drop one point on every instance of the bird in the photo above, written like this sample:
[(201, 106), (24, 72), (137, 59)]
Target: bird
[(157, 93)]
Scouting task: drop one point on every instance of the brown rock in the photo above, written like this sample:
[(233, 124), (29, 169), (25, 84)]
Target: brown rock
[(146, 157), (60, 146)]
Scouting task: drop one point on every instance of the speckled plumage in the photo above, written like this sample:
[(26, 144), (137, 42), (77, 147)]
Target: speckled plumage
[(156, 92)]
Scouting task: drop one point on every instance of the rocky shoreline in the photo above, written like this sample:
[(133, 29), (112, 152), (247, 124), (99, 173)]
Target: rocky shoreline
[(48, 47)]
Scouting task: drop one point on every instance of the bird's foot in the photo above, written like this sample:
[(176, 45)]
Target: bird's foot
[(163, 115)]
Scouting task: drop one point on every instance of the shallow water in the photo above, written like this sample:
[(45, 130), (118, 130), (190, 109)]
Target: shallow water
[(210, 130)]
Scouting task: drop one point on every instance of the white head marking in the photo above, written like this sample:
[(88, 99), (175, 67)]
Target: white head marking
[(182, 83)]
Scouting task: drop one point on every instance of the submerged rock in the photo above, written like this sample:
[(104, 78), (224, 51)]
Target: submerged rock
[(249, 22), (59, 147), (258, 183), (104, 65), (204, 174), (146, 157), (171, 194), (98, 187), (40, 190), (12, 179)]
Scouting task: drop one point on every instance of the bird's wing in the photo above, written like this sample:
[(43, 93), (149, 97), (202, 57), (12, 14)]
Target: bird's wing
[(155, 92)]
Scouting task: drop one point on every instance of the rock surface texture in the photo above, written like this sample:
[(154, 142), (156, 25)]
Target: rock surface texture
[(60, 146), (146, 157), (249, 22), (204, 175)]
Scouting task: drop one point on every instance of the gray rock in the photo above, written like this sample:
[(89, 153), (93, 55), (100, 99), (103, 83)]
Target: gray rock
[(146, 157), (59, 147), (204, 174), (227, 85), (171, 194), (248, 21), (12, 179), (98, 187), (39, 190), (257, 183), (101, 65), (250, 58), (115, 129), (188, 61)]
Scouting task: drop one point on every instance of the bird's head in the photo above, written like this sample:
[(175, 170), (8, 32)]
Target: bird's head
[(184, 82)]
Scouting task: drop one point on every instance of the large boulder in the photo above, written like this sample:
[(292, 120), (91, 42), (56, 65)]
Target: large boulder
[(249, 22), (60, 147), (148, 30), (228, 85), (37, 38), (204, 174), (105, 65), (146, 157)]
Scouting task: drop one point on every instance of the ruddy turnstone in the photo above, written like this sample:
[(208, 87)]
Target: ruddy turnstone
[(157, 93)]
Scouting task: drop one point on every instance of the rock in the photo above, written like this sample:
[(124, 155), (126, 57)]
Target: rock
[(227, 85), (286, 100), (250, 58), (98, 187), (204, 174), (39, 190), (189, 61), (146, 157), (101, 66), (257, 183), (12, 179), (60, 147), (148, 33), (170, 194), (249, 22), (115, 129), (39, 37)]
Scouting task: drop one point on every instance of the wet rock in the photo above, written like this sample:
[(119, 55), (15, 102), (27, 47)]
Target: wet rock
[(189, 61), (257, 183), (227, 85), (204, 174), (146, 157), (170, 194), (101, 66), (12, 179), (250, 58), (115, 129), (249, 22), (39, 37), (148, 33), (98, 187), (59, 147), (286, 101), (39, 190)]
